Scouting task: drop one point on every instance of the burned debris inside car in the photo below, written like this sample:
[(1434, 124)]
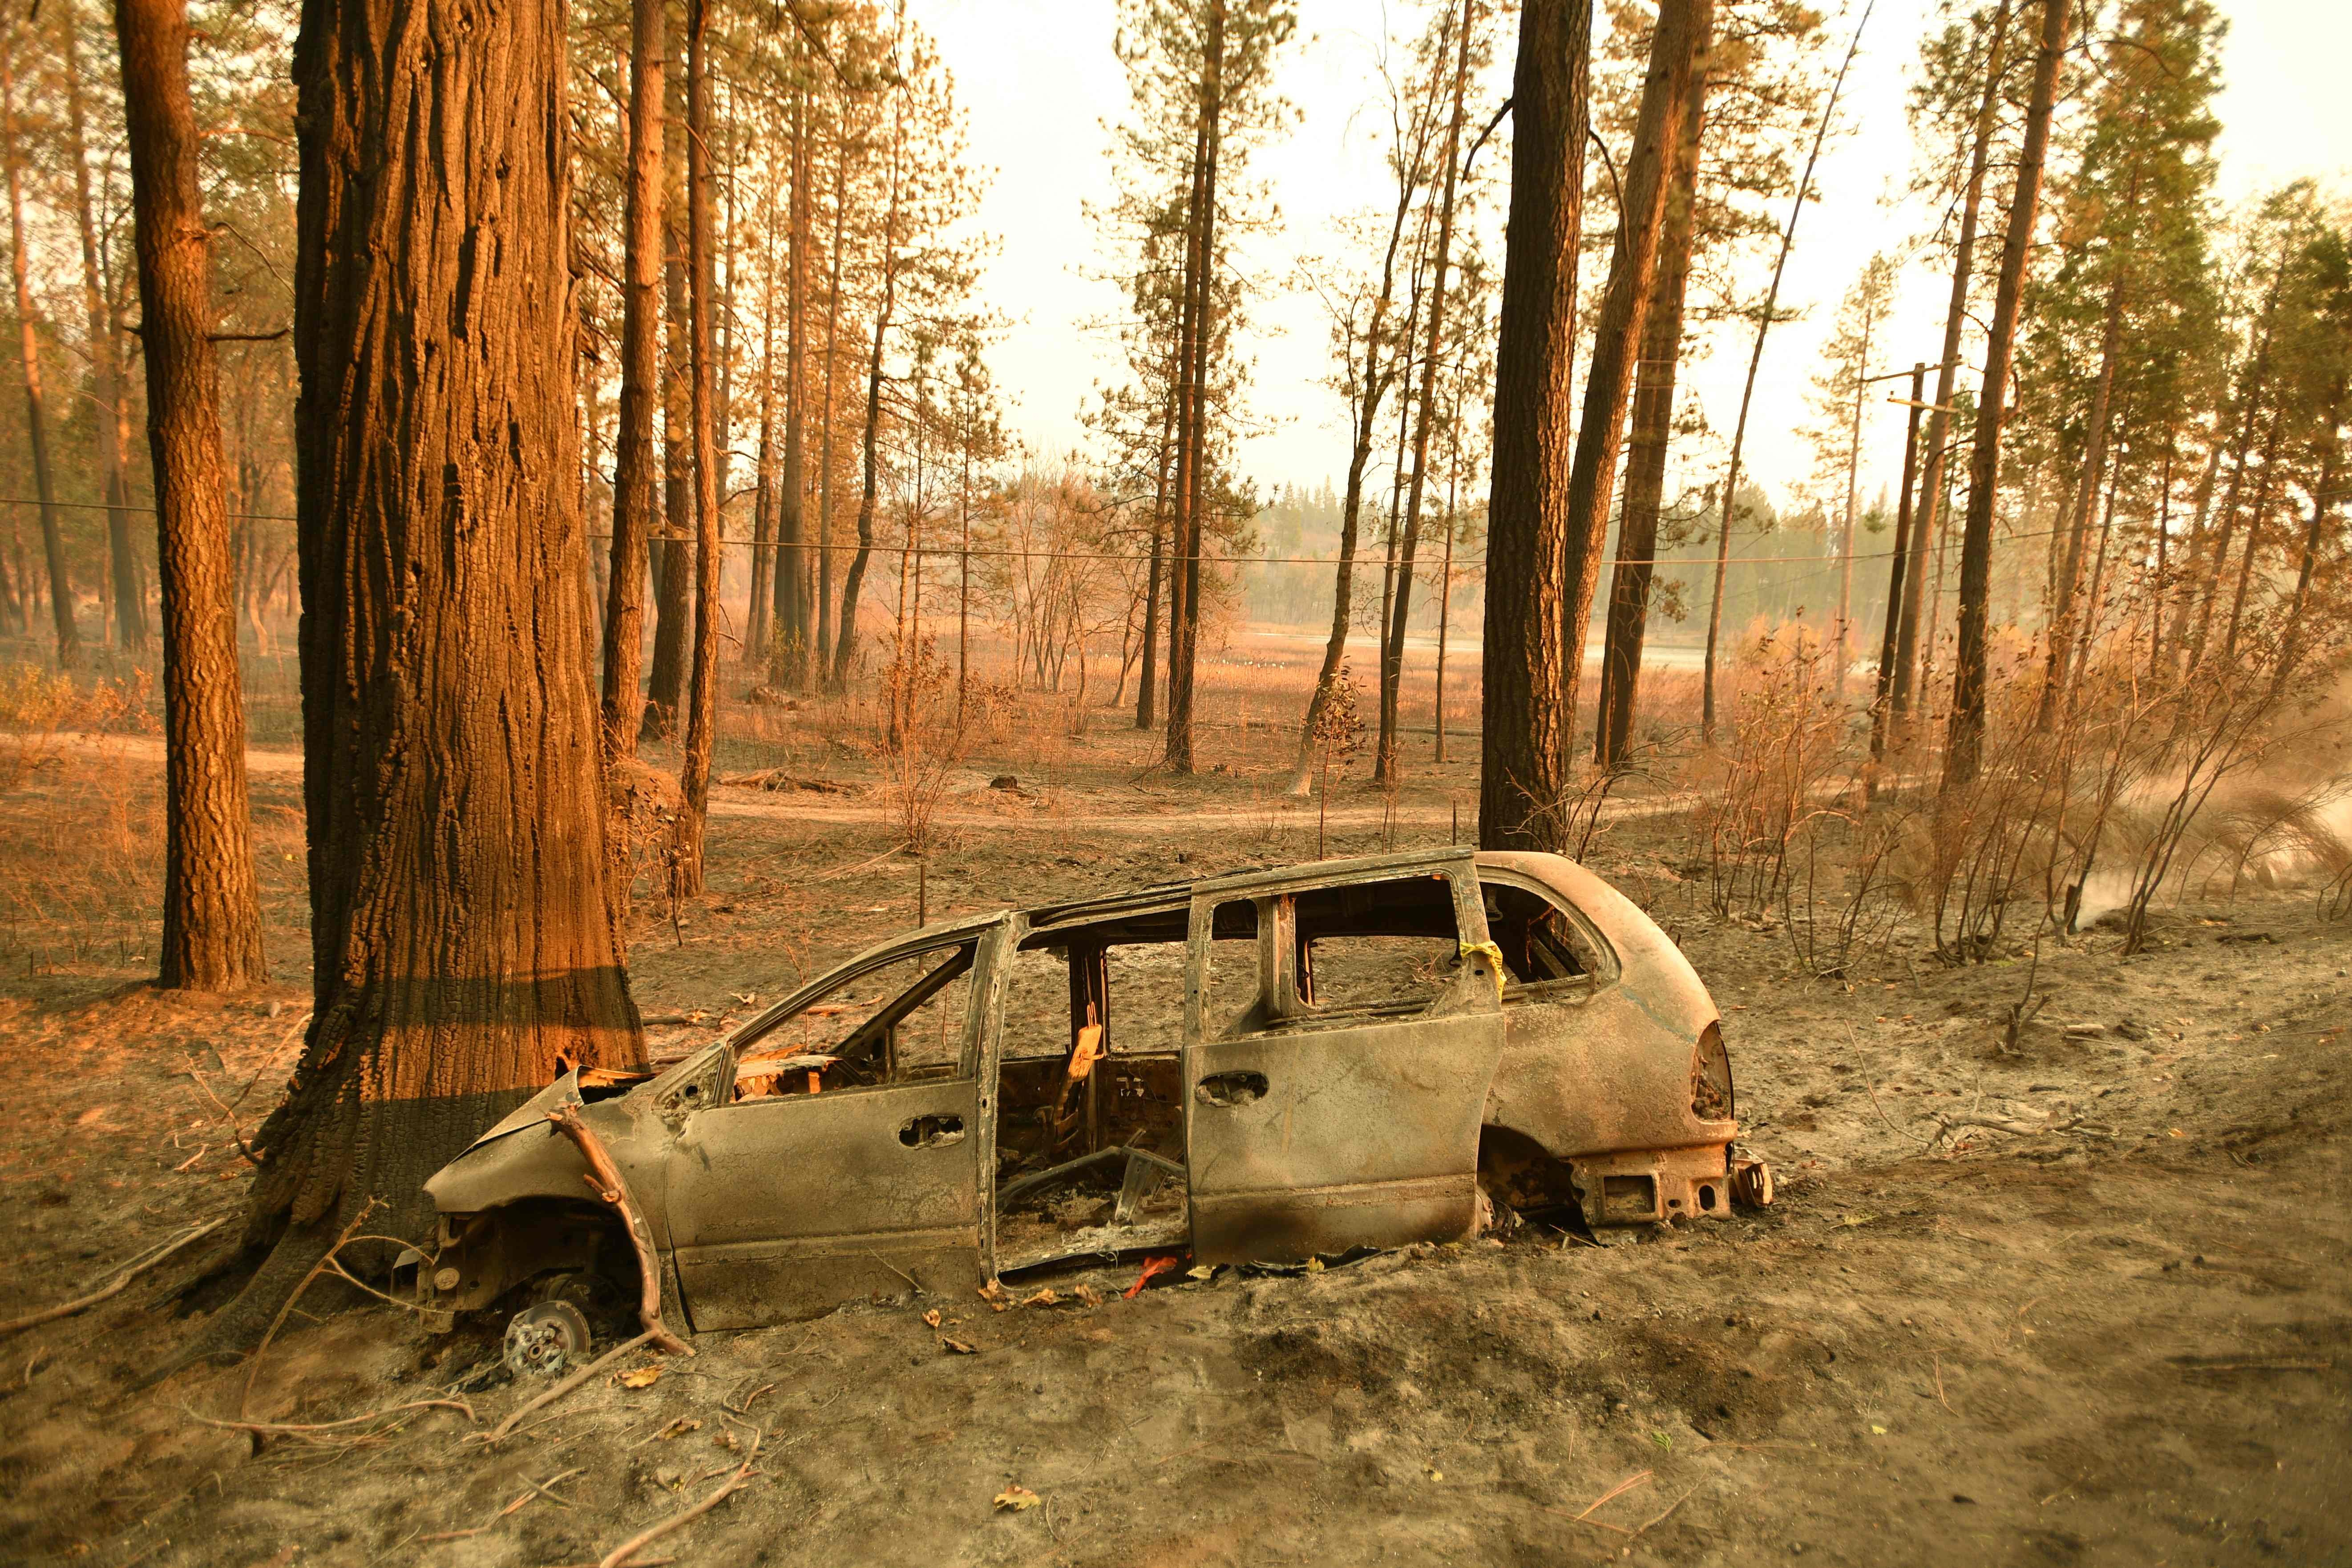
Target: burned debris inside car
[(1264, 1067)]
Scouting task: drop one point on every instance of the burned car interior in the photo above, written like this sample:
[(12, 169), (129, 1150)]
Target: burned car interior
[(1265, 1068)]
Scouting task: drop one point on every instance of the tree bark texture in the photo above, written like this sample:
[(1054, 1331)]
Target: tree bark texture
[(211, 911), (1192, 437), (1964, 749), (792, 530), (633, 469), (1652, 425), (463, 931), (1677, 44), (702, 691), (37, 417), (1523, 727)]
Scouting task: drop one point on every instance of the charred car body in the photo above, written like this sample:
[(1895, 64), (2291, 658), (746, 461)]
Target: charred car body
[(1260, 1068)]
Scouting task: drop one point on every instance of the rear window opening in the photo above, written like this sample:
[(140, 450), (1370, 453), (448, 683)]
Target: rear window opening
[(1541, 940)]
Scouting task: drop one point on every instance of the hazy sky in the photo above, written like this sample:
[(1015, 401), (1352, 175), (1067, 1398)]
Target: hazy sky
[(1038, 81)]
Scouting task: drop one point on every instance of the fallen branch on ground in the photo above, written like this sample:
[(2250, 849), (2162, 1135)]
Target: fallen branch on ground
[(603, 1178), (627, 1549), (302, 1429), (114, 1287)]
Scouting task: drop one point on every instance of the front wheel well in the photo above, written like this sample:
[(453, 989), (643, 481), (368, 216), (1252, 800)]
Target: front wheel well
[(486, 1255)]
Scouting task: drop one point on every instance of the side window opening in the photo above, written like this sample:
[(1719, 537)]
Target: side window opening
[(1338, 955), (901, 1022), (1541, 942)]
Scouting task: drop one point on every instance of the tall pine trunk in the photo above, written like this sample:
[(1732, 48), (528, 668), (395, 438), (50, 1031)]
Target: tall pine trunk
[(844, 639), (1192, 440), (792, 557), (211, 910), (1652, 426), (633, 468), (1523, 728), (37, 417), (820, 655), (674, 573), (1676, 43), (462, 928), (1964, 750)]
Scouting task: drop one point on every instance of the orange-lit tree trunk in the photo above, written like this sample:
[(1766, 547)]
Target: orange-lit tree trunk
[(1652, 429), (212, 912), (462, 926), (633, 468), (1523, 729), (665, 680), (1676, 44)]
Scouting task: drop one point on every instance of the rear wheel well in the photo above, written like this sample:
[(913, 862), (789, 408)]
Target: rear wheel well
[(1521, 1179)]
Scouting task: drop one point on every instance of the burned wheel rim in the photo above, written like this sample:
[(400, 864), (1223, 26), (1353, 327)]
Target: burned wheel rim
[(540, 1340)]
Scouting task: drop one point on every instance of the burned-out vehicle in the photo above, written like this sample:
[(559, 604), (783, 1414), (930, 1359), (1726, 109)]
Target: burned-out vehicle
[(1266, 1067)]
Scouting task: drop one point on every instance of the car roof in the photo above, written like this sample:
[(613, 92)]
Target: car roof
[(1163, 894)]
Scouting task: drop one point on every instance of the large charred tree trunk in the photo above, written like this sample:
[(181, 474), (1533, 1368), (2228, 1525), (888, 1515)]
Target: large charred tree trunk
[(1676, 43), (1964, 748), (1401, 605), (212, 911), (37, 417), (1652, 426), (1523, 728), (462, 927), (703, 702), (105, 363), (633, 469), (1937, 462)]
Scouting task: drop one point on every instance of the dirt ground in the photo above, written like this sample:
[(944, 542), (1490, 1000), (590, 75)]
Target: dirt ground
[(2130, 1342)]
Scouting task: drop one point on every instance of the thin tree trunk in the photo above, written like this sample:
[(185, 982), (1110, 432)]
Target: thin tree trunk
[(105, 364), (1964, 749), (822, 651), (633, 465), (1907, 649), (702, 705), (1730, 508), (1845, 533), (2254, 521), (1676, 45), (1147, 689), (211, 911), (2323, 496), (1522, 730), (37, 421), (1202, 276), (462, 927), (2087, 499), (845, 643), (766, 605), (792, 560), (2093, 598), (1653, 429), (1399, 614)]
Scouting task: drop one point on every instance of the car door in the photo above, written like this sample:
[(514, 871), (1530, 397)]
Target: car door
[(791, 1196), (1313, 1125)]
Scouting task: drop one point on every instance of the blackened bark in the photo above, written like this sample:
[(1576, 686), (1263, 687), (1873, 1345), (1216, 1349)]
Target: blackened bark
[(462, 926), (633, 471), (702, 706), (36, 419), (844, 639), (212, 911), (1676, 45), (1652, 429), (1522, 726), (1964, 748)]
